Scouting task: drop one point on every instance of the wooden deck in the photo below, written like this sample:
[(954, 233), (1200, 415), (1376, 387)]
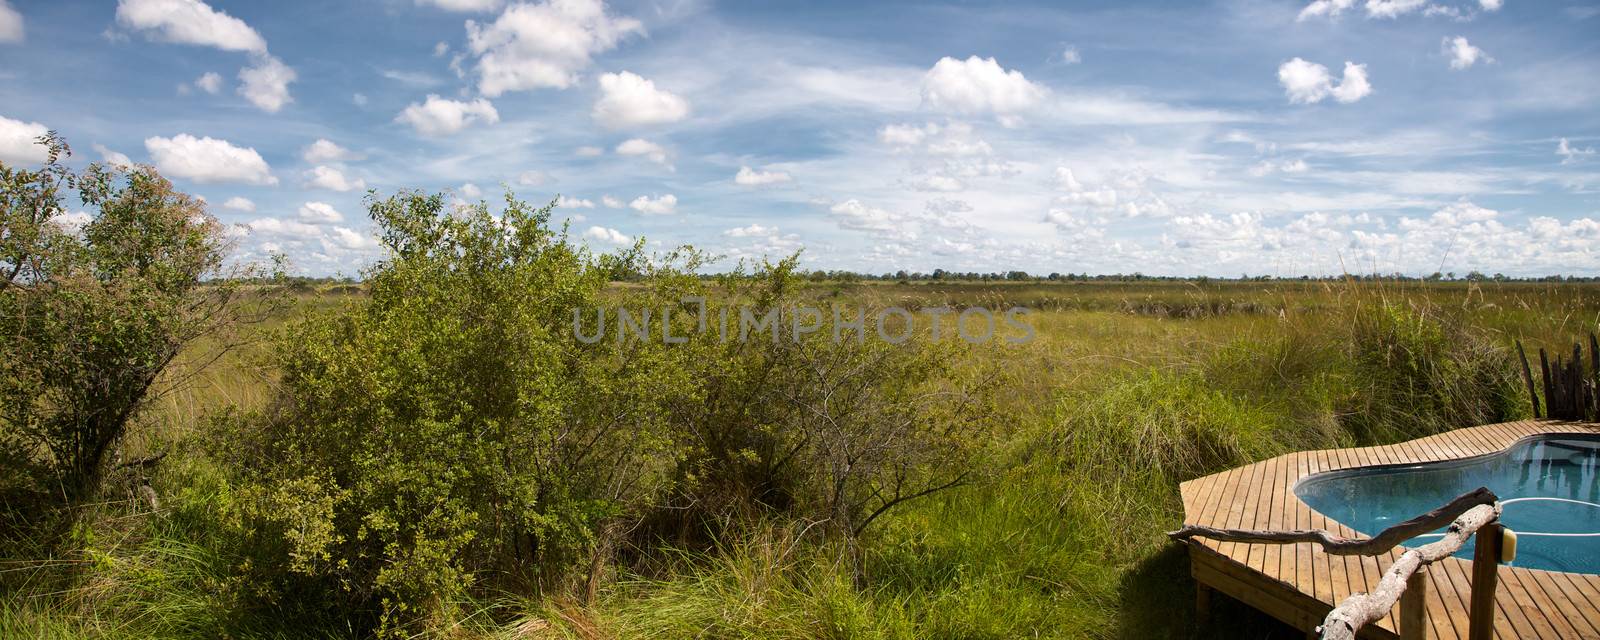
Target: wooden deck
[(1299, 584)]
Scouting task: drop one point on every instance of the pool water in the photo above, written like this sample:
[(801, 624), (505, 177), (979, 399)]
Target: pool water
[(1549, 490)]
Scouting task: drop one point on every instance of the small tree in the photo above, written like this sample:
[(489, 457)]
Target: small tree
[(95, 308)]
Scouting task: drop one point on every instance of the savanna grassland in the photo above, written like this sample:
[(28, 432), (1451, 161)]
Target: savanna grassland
[(1128, 389), (439, 453)]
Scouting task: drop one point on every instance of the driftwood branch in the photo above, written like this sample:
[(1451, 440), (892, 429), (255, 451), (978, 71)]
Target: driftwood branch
[(1362, 608), (1340, 546)]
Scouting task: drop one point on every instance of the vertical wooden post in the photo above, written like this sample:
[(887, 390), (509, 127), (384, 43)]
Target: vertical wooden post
[(1485, 575), (1527, 377), (1202, 605), (1414, 607)]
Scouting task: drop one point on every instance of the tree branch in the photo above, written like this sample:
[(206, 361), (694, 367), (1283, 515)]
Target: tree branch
[(1335, 545)]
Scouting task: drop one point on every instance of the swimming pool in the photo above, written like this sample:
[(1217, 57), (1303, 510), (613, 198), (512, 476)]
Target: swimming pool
[(1548, 486)]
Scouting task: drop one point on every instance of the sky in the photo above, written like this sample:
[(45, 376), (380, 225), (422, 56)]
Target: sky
[(1260, 137)]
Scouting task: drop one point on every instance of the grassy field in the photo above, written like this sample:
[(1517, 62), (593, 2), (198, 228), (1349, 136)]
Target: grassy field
[(1128, 389)]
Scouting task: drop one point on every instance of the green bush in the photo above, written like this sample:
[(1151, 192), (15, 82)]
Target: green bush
[(450, 433), (93, 318)]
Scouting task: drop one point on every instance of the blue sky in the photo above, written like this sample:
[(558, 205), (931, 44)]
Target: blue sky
[(1252, 136)]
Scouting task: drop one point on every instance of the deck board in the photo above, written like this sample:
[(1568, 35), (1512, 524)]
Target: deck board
[(1300, 583)]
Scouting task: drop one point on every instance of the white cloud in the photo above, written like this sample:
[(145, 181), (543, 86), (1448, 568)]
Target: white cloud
[(470, 191), (189, 22), (566, 202), (463, 5), (543, 45), (607, 235), (589, 152), (411, 78), (239, 203), (752, 231), (1462, 54), (979, 85), (611, 202), (650, 150), (853, 214), (360, 99), (953, 139), (1266, 167), (266, 83), (1308, 82), (18, 141), (320, 213), (332, 179), (112, 158), (1071, 56), (752, 178), (73, 221), (662, 205), (208, 160), (11, 30), (1393, 8), (628, 100), (325, 150), (209, 82), (437, 116), (1570, 154), (532, 178)]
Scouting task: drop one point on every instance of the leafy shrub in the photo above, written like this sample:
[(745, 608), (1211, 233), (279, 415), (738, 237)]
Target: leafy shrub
[(94, 316), (450, 431)]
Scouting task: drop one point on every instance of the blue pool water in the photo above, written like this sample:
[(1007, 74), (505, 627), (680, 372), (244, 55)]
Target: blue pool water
[(1549, 488)]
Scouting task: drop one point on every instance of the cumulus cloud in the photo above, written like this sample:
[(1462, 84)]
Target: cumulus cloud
[(189, 22), (567, 202), (611, 202), (607, 235), (760, 240), (438, 116), (856, 215), (1308, 82), (332, 179), (110, 157), (1071, 56), (589, 152), (320, 213), (752, 178), (543, 45), (208, 160), (325, 150), (1570, 154), (628, 100), (979, 85), (266, 83), (470, 191), (647, 149), (239, 203), (660, 205), (209, 82), (464, 5), (953, 139), (11, 30), (1462, 54), (18, 141), (532, 178)]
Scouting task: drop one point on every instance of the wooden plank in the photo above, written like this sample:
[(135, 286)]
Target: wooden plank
[(1566, 602)]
